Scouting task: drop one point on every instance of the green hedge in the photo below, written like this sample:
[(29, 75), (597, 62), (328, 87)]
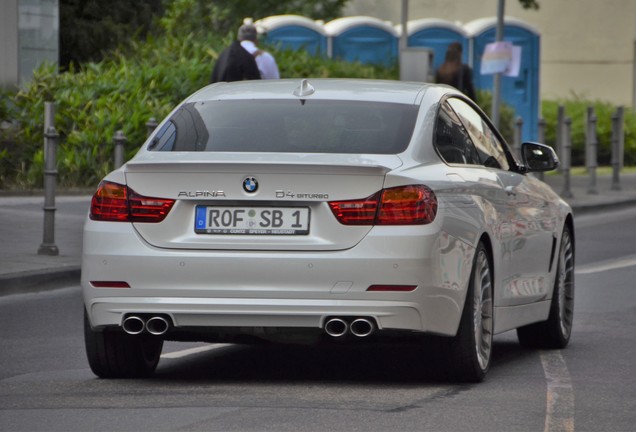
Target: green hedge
[(576, 110), (149, 78), (122, 92)]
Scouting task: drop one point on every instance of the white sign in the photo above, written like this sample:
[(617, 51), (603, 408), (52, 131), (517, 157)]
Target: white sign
[(497, 58)]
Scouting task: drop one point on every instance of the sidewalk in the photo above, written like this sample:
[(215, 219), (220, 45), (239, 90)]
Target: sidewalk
[(22, 219)]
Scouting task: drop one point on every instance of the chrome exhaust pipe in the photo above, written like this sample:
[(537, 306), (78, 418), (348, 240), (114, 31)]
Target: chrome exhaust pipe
[(157, 325), (336, 327), (362, 327), (133, 325)]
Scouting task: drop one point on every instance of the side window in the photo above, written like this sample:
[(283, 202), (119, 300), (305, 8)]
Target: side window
[(452, 141), (164, 140), (490, 149)]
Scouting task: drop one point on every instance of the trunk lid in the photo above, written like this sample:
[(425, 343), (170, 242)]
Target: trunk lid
[(255, 201)]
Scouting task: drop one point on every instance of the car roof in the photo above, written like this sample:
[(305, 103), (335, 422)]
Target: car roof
[(365, 90)]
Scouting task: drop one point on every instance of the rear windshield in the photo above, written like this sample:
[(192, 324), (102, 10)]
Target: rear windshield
[(292, 126)]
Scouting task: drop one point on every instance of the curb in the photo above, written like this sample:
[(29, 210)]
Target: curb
[(39, 280), (580, 209)]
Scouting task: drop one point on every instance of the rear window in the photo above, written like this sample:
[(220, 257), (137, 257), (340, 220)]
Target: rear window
[(291, 126)]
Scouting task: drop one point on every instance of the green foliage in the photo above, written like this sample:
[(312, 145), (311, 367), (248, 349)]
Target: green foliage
[(529, 4), (223, 17), (139, 81), (506, 114), (576, 110), (300, 64)]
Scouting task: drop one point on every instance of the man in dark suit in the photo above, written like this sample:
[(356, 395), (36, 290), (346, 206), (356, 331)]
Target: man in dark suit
[(235, 63)]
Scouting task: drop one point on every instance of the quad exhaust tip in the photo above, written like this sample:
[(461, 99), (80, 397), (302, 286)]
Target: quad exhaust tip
[(133, 325), (362, 327), (155, 325), (339, 327)]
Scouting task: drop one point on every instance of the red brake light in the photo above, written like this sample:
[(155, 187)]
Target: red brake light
[(356, 212), (402, 205), (392, 288), (118, 203), (110, 284)]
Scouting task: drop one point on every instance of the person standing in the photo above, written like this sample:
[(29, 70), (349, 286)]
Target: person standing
[(235, 63), (266, 63), (455, 73)]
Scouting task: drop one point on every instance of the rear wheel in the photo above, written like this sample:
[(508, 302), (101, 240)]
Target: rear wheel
[(115, 354), (470, 350), (555, 332)]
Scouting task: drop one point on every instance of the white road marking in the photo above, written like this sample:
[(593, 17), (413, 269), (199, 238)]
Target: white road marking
[(606, 266), (559, 415), (190, 351)]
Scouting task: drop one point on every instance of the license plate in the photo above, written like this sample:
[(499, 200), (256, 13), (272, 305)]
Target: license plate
[(251, 220)]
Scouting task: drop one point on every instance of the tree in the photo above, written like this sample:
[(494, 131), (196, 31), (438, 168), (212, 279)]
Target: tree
[(88, 28), (529, 4), (225, 16)]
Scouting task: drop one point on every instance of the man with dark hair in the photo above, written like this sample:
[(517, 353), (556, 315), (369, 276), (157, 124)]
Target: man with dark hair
[(235, 63)]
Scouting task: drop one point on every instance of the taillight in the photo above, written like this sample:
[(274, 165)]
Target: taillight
[(392, 288), (356, 212), (118, 203), (402, 205), (110, 284)]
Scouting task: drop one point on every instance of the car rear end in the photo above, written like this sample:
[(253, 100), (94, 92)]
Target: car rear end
[(256, 210)]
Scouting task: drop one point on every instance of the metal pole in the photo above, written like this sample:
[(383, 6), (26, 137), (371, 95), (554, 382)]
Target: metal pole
[(48, 246), (49, 119), (405, 17), (541, 139), (620, 112), (151, 125), (518, 130), (616, 159), (558, 145), (567, 153), (49, 115), (591, 156), (496, 92), (120, 140)]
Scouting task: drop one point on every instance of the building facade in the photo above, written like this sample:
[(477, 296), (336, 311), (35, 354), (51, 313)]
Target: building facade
[(29, 36)]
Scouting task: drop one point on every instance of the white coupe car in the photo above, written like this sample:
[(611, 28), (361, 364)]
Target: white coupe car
[(322, 209)]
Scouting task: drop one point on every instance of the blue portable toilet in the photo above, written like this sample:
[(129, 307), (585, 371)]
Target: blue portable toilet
[(522, 91), (436, 34), (294, 32), (361, 38)]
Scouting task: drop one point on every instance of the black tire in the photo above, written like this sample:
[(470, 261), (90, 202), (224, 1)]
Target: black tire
[(469, 352), (114, 354), (556, 331)]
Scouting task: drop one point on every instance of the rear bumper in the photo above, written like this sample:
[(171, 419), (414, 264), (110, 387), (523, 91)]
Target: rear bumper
[(278, 289), (233, 312)]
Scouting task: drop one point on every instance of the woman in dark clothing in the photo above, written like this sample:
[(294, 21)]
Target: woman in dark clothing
[(453, 72)]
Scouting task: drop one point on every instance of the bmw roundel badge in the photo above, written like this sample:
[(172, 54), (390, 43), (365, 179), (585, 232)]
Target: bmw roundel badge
[(250, 185)]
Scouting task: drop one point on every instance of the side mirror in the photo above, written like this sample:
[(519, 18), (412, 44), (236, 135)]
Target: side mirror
[(538, 157)]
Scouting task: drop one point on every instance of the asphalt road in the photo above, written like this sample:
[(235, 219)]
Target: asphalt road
[(45, 383)]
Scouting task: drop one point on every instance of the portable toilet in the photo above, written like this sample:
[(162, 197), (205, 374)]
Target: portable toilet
[(361, 38), (435, 34), (521, 91), (294, 32)]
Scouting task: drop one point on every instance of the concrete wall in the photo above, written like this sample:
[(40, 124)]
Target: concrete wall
[(29, 35), (588, 47), (8, 43)]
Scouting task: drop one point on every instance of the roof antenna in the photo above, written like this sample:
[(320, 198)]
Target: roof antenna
[(304, 89)]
